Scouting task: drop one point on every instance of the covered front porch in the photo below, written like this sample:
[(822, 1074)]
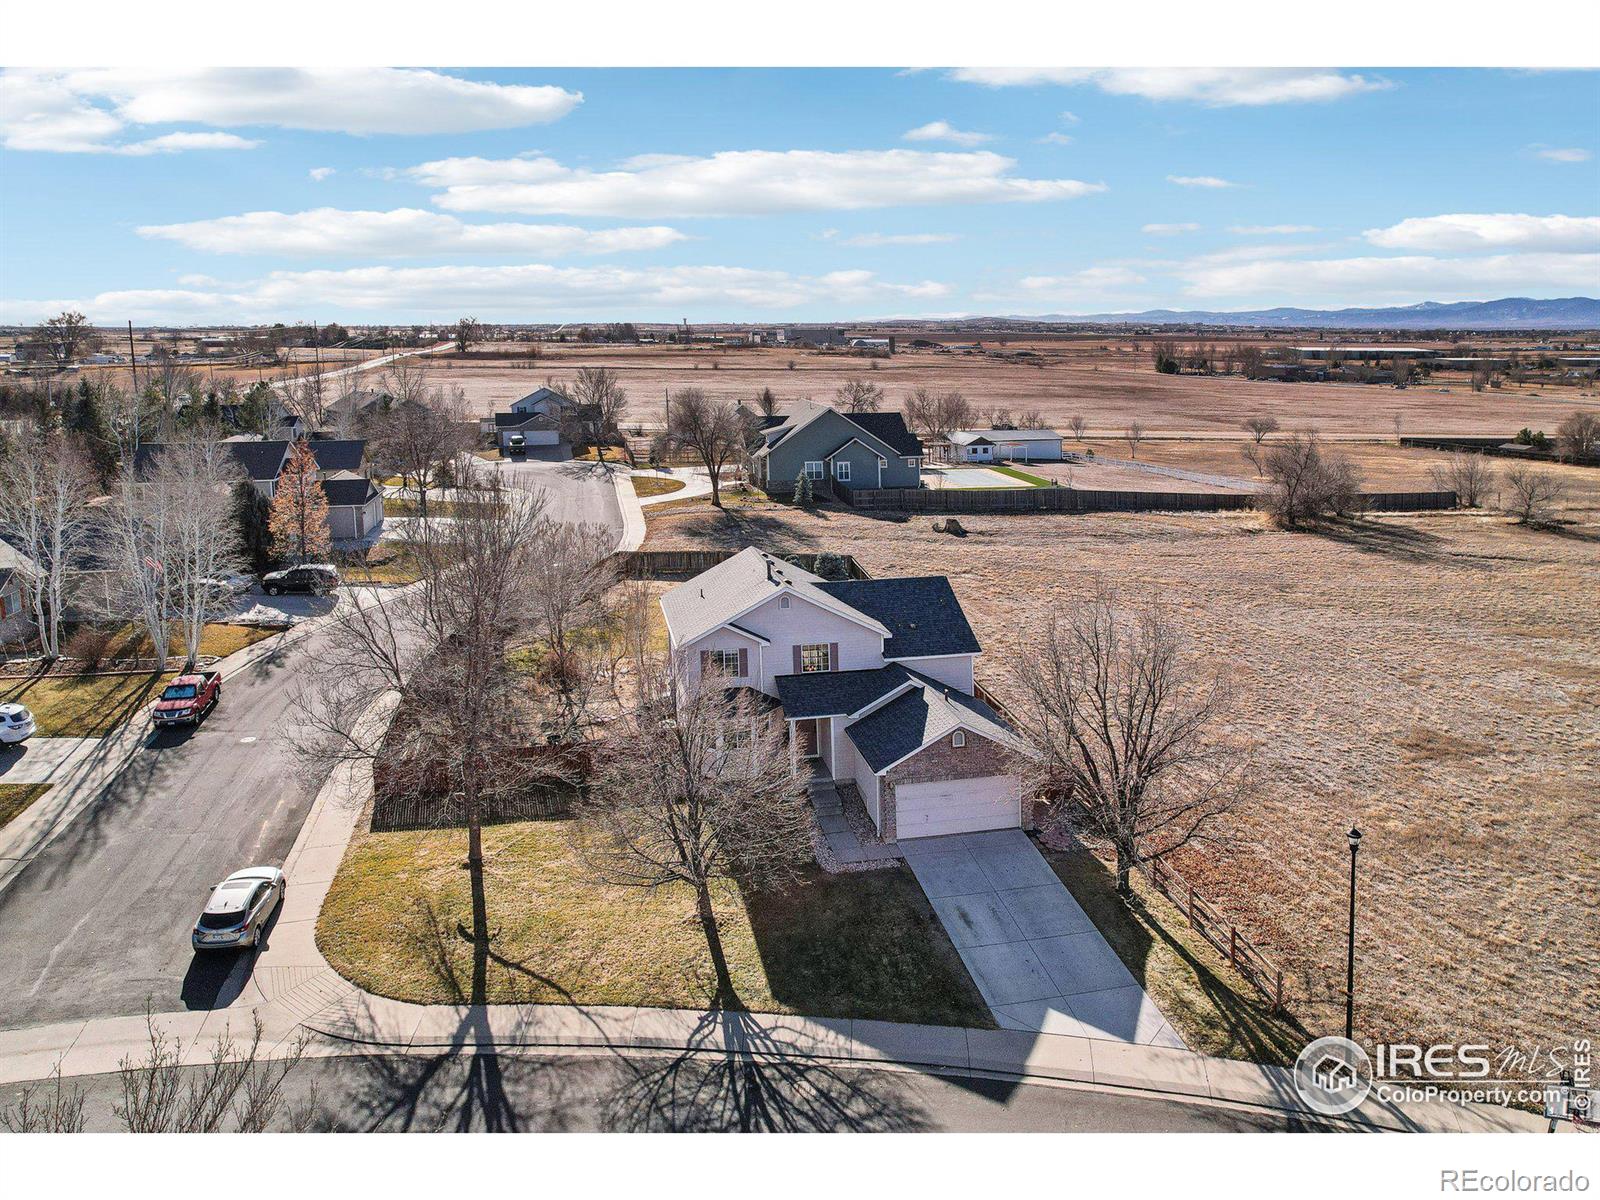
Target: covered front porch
[(808, 739)]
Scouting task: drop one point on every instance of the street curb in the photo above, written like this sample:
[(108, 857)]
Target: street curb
[(633, 528)]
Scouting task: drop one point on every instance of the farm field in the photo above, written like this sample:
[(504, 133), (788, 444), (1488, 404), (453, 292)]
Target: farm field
[(1109, 388), (1430, 678)]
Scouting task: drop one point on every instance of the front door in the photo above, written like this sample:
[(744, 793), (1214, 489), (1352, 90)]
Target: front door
[(805, 738)]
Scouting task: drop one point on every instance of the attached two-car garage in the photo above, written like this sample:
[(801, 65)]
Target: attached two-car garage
[(957, 806)]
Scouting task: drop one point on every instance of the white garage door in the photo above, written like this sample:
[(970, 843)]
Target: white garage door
[(957, 806)]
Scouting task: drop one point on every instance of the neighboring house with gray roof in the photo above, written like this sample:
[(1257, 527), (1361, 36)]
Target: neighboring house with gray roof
[(536, 416), (859, 450), (17, 571), (874, 678)]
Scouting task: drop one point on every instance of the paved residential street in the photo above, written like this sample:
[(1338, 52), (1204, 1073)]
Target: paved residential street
[(701, 1093), (97, 924)]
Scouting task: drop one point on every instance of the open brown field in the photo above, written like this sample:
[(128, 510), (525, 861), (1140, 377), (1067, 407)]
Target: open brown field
[(1108, 387), (1384, 467), (1434, 679)]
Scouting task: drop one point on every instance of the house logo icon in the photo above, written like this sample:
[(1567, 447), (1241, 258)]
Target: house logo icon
[(1332, 1076)]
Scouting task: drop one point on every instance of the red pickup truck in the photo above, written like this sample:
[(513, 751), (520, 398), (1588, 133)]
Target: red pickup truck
[(189, 698)]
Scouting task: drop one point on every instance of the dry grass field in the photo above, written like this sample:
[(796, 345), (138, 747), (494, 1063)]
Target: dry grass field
[(1108, 387), (1434, 679)]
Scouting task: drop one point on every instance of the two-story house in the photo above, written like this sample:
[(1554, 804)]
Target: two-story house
[(859, 450), (537, 417), (874, 678)]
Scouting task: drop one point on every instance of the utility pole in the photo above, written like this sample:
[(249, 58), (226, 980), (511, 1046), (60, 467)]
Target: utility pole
[(133, 364)]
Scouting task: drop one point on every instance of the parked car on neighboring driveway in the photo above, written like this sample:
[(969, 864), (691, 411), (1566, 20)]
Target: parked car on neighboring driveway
[(517, 444), (238, 909), (229, 585), (16, 724), (188, 699), (317, 578)]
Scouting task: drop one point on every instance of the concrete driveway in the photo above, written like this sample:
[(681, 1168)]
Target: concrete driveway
[(1035, 955)]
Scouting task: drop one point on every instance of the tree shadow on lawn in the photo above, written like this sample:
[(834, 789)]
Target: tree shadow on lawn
[(1213, 1016), (862, 944), (735, 528), (1378, 537)]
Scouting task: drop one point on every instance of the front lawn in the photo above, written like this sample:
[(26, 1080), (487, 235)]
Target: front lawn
[(386, 563), (861, 945), (655, 485), (1214, 1008), (83, 705), (217, 640), (405, 506), (1022, 476), (15, 797)]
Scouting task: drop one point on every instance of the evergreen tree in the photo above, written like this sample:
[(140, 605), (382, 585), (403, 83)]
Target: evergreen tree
[(84, 421), (253, 514)]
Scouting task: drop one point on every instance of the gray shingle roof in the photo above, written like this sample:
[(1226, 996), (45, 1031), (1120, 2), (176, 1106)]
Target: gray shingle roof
[(923, 715), (922, 614), (516, 420), (835, 693), (889, 428), (348, 492), (338, 454)]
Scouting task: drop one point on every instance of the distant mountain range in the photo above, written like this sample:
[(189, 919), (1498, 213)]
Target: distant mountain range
[(1575, 312)]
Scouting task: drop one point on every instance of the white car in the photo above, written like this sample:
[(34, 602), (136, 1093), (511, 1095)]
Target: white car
[(16, 724), (239, 909), (230, 585)]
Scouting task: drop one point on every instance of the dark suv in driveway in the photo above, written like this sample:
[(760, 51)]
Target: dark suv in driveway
[(317, 578)]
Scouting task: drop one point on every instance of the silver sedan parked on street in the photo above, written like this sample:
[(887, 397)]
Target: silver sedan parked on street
[(238, 909)]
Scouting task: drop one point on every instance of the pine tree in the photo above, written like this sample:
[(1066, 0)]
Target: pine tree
[(299, 517), (253, 515), (85, 422), (802, 489)]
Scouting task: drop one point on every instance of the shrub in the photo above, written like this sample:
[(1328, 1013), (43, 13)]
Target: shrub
[(1532, 494), (90, 646)]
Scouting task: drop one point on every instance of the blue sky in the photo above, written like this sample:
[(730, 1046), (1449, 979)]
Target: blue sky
[(538, 195)]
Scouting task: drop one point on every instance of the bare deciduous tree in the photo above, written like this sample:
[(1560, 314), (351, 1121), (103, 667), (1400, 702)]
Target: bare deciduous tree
[(1133, 435), (696, 787), (1122, 728), (441, 646), (1467, 475), (1030, 419), (45, 488), (569, 572), (599, 404), (46, 1106), (63, 338), (1078, 425), (420, 440), (1578, 436), (715, 430), (1533, 493), (204, 541), (858, 396), (239, 1088), (936, 415), (1258, 428), (1304, 481), (467, 331)]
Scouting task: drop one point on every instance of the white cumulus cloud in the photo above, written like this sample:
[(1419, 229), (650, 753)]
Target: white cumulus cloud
[(400, 233), (1563, 154), (1490, 231), (1402, 279), (1167, 228), (1200, 181), (84, 111), (497, 292), (739, 183), (1216, 86), (318, 174), (1056, 138), (943, 131)]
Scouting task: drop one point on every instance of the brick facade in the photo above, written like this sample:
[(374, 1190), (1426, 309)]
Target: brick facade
[(937, 763)]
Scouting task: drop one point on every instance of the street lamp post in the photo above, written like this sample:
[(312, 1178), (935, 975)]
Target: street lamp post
[(1354, 838)]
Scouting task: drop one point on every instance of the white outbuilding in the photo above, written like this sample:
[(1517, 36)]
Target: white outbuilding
[(1002, 445)]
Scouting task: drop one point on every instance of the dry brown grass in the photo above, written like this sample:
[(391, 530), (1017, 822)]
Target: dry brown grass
[(1110, 383), (1434, 679)]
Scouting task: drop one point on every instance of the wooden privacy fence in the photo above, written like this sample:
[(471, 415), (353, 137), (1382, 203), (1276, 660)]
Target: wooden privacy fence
[(391, 813), (684, 564), (1037, 499), (1082, 500)]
